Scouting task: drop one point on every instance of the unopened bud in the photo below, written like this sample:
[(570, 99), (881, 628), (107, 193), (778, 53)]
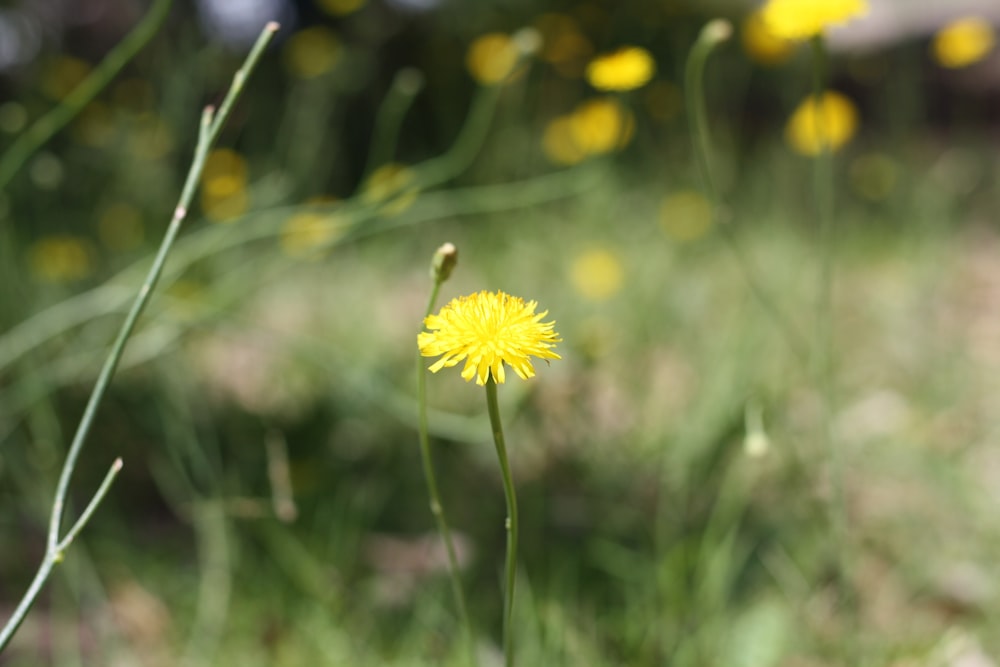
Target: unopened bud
[(444, 262)]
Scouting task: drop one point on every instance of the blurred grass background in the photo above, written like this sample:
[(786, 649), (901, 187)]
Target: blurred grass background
[(672, 482)]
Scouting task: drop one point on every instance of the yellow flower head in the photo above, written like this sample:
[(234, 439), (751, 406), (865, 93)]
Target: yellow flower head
[(492, 58), (829, 124), (963, 42), (488, 330), (804, 19), (761, 44), (627, 68), (597, 274)]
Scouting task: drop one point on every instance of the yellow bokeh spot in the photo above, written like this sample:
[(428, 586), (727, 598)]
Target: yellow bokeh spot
[(558, 143), (388, 181), (874, 176), (963, 42), (224, 162), (829, 124), (628, 68), (340, 7), (563, 45), (685, 215), (601, 125), (491, 58), (761, 44), (61, 259), (304, 234), (597, 274), (804, 19), (311, 52), (119, 226), (62, 75), (225, 209)]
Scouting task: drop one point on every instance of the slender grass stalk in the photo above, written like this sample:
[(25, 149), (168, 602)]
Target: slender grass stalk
[(713, 34), (389, 117), (48, 125), (444, 261), (211, 124), (510, 568), (824, 351)]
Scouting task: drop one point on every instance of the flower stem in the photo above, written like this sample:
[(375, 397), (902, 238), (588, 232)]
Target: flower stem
[(824, 354), (437, 509), (714, 33), (510, 569)]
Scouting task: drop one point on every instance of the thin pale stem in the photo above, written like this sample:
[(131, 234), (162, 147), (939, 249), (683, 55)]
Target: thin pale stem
[(389, 118), (211, 123), (824, 351), (713, 34), (437, 509), (510, 568)]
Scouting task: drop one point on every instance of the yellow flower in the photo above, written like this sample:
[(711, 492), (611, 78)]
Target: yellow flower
[(761, 44), (597, 274), (803, 19), (830, 124), (304, 234), (224, 195), (558, 143), (312, 52), (627, 68), (61, 258), (963, 42), (492, 58), (601, 125), (488, 330)]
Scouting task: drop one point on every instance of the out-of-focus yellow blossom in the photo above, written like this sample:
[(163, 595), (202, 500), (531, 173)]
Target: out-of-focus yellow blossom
[(491, 58), (963, 42), (664, 101), (564, 46), (558, 143), (685, 215), (597, 274), (601, 125), (340, 7), (135, 95), (804, 19), (762, 45), (305, 233), (392, 184), (224, 194), (829, 124), (61, 259), (95, 126), (628, 68), (874, 176), (311, 52), (119, 226), (62, 75), (151, 137)]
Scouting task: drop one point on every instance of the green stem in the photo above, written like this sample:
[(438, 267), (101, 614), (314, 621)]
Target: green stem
[(211, 124), (510, 569), (437, 509), (824, 351), (713, 34), (389, 117)]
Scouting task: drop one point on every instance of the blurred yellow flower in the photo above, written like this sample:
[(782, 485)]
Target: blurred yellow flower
[(62, 75), (340, 7), (393, 184), (601, 125), (311, 52), (761, 44), (628, 68), (303, 234), (491, 58), (597, 274), (685, 215), (829, 124), (61, 259), (119, 226), (488, 330), (558, 144), (563, 45), (804, 19), (963, 42), (224, 194)]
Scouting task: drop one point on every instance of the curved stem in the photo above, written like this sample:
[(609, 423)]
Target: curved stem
[(510, 568), (713, 34), (437, 509)]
